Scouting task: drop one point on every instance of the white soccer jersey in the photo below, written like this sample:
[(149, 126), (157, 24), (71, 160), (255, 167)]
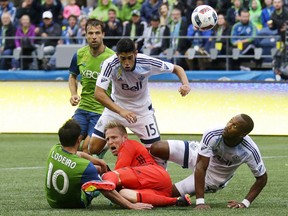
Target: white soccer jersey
[(129, 89), (224, 160)]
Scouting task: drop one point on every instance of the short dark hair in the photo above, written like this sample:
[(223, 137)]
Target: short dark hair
[(249, 123), (94, 22), (69, 133), (125, 45)]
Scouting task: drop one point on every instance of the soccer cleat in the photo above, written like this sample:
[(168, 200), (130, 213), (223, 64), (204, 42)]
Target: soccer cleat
[(92, 186), (183, 200)]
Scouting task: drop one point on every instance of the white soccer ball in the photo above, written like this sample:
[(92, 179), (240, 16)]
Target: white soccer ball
[(204, 17)]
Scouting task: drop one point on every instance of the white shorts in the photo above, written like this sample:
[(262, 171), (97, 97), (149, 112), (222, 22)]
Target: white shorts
[(145, 128), (185, 154)]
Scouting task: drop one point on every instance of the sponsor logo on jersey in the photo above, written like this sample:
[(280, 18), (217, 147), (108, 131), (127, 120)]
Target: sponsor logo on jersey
[(119, 74), (137, 87), (104, 80), (90, 74), (166, 67), (141, 78)]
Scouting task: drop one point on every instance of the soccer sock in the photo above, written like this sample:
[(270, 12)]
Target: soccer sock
[(155, 199)]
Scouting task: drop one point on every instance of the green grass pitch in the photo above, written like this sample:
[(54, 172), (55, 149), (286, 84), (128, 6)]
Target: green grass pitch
[(22, 173)]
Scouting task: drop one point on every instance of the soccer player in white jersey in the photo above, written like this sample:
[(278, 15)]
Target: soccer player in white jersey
[(130, 102), (215, 160)]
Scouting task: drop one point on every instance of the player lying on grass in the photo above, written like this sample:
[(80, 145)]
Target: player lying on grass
[(137, 176), (68, 169), (214, 161)]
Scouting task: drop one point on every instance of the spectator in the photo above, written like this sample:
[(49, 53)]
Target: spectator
[(113, 28), (164, 12), (87, 10), (31, 9), (150, 7), (49, 32), (266, 12), (135, 29), (198, 45), (81, 30), (155, 41), (178, 28), (56, 8), (126, 11), (6, 44), (223, 6), (24, 43), (255, 10), (70, 9), (242, 37), (279, 18), (7, 6), (101, 11), (219, 42), (69, 33), (233, 13)]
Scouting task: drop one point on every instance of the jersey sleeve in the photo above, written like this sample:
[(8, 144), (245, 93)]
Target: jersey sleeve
[(74, 69), (206, 145), (255, 162), (159, 66), (90, 174), (104, 77)]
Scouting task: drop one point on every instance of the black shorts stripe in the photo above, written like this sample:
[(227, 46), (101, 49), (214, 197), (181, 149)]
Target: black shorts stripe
[(99, 133), (186, 154)]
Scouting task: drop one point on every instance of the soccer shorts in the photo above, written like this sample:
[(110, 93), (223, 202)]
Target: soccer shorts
[(145, 128), (183, 152), (87, 121)]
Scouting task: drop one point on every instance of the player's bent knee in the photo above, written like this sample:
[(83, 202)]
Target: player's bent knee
[(160, 149), (96, 145)]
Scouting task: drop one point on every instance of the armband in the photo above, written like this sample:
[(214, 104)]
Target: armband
[(200, 201), (246, 203)]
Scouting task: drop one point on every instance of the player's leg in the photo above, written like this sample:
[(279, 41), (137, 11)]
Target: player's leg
[(81, 117), (160, 149), (146, 129), (153, 197), (185, 186)]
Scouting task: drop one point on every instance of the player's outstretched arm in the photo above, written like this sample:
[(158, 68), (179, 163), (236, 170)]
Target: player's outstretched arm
[(185, 88), (252, 194), (115, 197), (95, 161)]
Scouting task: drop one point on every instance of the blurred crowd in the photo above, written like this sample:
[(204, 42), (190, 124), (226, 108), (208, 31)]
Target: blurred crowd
[(159, 27)]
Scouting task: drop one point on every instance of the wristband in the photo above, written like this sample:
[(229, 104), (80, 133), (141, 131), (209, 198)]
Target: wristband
[(200, 201), (246, 203)]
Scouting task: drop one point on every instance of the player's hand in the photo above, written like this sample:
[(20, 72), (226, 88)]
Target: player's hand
[(74, 100), (141, 206), (202, 206), (235, 204), (129, 116), (184, 89)]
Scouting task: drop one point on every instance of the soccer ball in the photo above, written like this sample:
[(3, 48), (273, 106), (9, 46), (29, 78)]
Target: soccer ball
[(204, 17)]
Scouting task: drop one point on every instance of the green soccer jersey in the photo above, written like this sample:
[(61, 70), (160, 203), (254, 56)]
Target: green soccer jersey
[(65, 174), (89, 67)]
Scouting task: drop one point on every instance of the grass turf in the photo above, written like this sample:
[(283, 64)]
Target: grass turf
[(22, 169)]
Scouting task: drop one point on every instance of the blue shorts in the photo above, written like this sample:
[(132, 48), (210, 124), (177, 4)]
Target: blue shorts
[(87, 121)]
